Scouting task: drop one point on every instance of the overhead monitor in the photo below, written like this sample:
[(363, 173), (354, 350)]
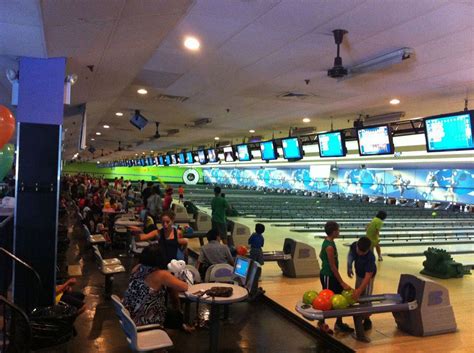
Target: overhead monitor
[(450, 132), (167, 159), (241, 268), (268, 150), (182, 158), (332, 144), (243, 153), (173, 158), (138, 120), (292, 148), (375, 140), (229, 155), (161, 160), (202, 156), (189, 157), (211, 155)]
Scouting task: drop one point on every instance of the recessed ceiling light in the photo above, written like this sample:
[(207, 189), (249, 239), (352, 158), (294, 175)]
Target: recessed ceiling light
[(142, 91), (192, 43), (151, 151), (395, 101), (119, 114), (216, 138), (143, 152), (98, 133), (106, 126), (252, 131), (306, 120), (136, 154), (92, 139)]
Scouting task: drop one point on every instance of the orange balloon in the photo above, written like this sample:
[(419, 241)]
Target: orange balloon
[(7, 125)]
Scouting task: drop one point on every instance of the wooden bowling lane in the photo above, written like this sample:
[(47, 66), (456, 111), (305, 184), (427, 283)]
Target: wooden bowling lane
[(385, 336)]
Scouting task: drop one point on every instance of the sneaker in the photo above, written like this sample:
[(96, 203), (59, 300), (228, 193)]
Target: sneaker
[(367, 324), (342, 327)]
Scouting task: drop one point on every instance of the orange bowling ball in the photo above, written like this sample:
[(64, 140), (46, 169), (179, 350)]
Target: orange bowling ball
[(326, 293), (242, 250), (322, 303), (7, 125)]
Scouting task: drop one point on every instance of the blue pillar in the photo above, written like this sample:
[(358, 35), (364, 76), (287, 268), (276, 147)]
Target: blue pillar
[(39, 117)]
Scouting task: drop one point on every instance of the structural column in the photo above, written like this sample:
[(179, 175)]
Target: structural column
[(38, 160)]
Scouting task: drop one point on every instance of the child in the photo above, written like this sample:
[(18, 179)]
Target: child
[(329, 275), (181, 193), (256, 242), (365, 269), (372, 231)]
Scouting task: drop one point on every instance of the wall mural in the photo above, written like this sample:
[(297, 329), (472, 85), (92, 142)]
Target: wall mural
[(454, 185)]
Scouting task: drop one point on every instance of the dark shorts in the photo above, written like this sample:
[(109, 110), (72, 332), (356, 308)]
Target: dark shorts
[(331, 283), (221, 229)]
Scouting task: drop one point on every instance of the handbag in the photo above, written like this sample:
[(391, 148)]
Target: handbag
[(223, 292)]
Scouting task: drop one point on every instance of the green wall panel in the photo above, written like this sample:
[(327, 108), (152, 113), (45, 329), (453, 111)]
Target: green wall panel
[(164, 174)]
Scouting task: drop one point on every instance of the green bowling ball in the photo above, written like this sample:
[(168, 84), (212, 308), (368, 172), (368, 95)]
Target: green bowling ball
[(348, 295), (434, 214), (309, 296), (339, 302)]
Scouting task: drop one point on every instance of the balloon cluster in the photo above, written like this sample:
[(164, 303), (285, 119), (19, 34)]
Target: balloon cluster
[(327, 300), (7, 150)]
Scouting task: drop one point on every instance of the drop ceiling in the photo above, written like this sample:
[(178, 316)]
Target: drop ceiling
[(251, 53)]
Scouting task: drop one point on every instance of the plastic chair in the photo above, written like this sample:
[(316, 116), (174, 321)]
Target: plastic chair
[(144, 341), (219, 273), (195, 272)]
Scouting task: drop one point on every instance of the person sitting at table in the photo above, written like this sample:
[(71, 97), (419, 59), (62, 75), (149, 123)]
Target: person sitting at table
[(148, 287), (174, 245), (214, 252)]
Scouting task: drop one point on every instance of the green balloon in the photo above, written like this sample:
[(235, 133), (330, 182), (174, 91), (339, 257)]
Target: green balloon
[(7, 154)]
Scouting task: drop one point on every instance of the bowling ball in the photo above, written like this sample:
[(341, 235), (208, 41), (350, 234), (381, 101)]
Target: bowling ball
[(339, 302), (242, 250), (348, 295), (309, 296), (188, 230), (326, 293), (434, 214), (322, 303)]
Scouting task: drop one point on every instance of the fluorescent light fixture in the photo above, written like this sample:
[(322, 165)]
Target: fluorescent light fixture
[(252, 131), (216, 138), (106, 127), (98, 133), (92, 139), (306, 120), (395, 101), (381, 61), (192, 43), (142, 91), (119, 114)]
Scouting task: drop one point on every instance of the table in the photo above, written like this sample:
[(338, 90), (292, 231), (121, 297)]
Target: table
[(239, 294), (127, 223)]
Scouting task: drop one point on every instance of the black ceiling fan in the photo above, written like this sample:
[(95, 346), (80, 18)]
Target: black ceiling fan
[(338, 70)]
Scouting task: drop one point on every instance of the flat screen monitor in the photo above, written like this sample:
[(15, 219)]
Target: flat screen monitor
[(241, 268), (167, 159), (182, 158), (243, 153), (450, 132), (202, 156), (375, 140), (173, 159), (189, 158), (268, 150), (139, 121), (211, 155), (292, 148), (332, 144), (161, 160), (229, 155)]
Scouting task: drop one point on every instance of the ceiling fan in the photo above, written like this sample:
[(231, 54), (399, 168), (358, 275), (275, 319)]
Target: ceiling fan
[(340, 72)]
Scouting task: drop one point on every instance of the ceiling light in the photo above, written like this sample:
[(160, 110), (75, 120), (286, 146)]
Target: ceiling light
[(151, 151), (191, 43), (106, 126), (142, 91), (143, 152), (216, 138), (119, 114), (98, 133), (98, 162), (252, 131), (395, 101), (306, 120), (92, 139), (136, 154)]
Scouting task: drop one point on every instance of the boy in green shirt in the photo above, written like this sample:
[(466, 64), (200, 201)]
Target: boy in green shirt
[(219, 206), (372, 231), (329, 274)]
